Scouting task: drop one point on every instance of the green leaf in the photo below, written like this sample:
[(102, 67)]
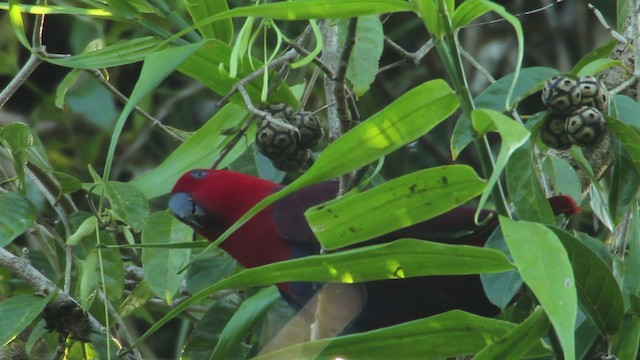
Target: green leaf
[(156, 68), (64, 86), (625, 343), (544, 266), (500, 288), (206, 334), (137, 298), (624, 185), (52, 9), (598, 292), (597, 66), (15, 16), (112, 267), (161, 265), (512, 133), (121, 53), (198, 151), (628, 136), (363, 63), (601, 52), (471, 10), (531, 80), (88, 278), (18, 312), (517, 342), (403, 121), (626, 110), (399, 259), (396, 204), (563, 176), (307, 9), (251, 311), (215, 54), (16, 216), (128, 203), (524, 187), (202, 9), (448, 335)]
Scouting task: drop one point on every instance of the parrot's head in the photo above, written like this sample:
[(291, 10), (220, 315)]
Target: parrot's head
[(212, 200)]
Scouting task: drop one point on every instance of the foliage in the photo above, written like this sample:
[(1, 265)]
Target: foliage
[(103, 178)]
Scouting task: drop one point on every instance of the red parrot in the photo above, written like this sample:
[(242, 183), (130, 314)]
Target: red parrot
[(211, 201)]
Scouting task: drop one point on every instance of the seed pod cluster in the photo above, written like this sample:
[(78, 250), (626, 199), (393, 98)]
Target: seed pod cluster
[(288, 144), (576, 109)]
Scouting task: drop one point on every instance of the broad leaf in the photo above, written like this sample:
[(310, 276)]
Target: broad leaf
[(512, 133), (598, 292), (17, 312), (16, 216), (161, 265), (398, 203), (447, 335), (544, 266), (399, 259), (524, 187)]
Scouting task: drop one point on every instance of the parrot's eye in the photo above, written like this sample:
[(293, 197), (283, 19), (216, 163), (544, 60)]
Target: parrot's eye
[(198, 174)]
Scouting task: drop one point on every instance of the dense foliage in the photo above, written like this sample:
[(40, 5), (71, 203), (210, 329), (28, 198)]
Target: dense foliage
[(93, 266)]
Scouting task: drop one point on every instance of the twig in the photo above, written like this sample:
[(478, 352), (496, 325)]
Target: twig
[(123, 327), (624, 85), (340, 87), (413, 57), (477, 65), (614, 34), (317, 61), (23, 269), (261, 113), (287, 57), (309, 89), (153, 122)]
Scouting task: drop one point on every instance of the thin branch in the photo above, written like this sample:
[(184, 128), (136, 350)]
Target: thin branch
[(412, 57), (340, 87), (477, 65), (123, 327), (614, 34), (317, 61), (153, 122)]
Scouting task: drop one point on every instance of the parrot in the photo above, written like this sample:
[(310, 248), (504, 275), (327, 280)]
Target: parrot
[(211, 201)]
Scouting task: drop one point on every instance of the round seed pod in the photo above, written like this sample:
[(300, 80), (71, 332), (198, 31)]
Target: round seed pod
[(561, 94), (593, 93), (553, 133), (280, 110), (310, 129), (275, 140), (585, 126), (295, 161)]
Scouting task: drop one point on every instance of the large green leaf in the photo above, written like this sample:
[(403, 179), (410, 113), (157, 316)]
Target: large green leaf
[(407, 118), (202, 9), (16, 216), (517, 342), (598, 292), (363, 63), (205, 64), (128, 203), (447, 335), (17, 312), (247, 315), (494, 97), (396, 204), (399, 259), (198, 151), (544, 266), (161, 265), (512, 133), (206, 333), (524, 187), (628, 136), (52, 9), (120, 53)]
